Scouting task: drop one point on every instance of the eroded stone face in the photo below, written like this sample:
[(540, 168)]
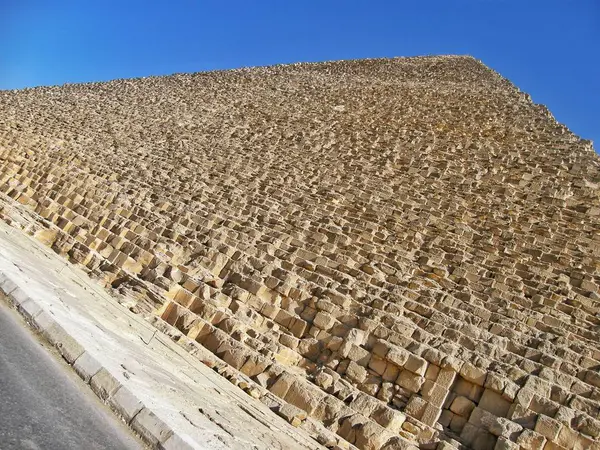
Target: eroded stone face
[(405, 251)]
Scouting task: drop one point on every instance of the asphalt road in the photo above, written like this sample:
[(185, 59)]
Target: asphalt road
[(43, 404)]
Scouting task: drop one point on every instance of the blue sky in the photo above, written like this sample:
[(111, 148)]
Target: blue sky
[(550, 48)]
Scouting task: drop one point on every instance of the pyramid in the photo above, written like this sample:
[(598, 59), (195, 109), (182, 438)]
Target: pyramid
[(404, 251)]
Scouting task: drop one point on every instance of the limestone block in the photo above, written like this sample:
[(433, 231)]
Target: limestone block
[(505, 428), (291, 413), (416, 407), (349, 427), (462, 406), (391, 373), (493, 402), (330, 409), (386, 392), (304, 396), (370, 436), (431, 414), (530, 440), (446, 377), (548, 427), (510, 391), (357, 354), (432, 372), (46, 236), (281, 387), (522, 415), (473, 374), (458, 423), (397, 356), (409, 380), (389, 418), (356, 336), (356, 373), (399, 443), (505, 444), (477, 438), (586, 425), (495, 382), (324, 320), (538, 386), (377, 364), (467, 389), (415, 364), (364, 404), (381, 348), (434, 393)]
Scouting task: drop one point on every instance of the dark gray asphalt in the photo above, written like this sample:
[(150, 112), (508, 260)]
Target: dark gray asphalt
[(43, 405)]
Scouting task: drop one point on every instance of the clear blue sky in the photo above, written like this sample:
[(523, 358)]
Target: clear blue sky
[(549, 48)]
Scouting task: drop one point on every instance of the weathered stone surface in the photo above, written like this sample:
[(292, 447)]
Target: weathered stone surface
[(407, 245)]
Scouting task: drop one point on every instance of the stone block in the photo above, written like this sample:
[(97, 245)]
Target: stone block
[(370, 436), (416, 407), (458, 423), (434, 393), (446, 377), (104, 384), (416, 364), (151, 428), (431, 414), (304, 396), (364, 404), (86, 367), (477, 438), (389, 418), (493, 402), (125, 404), (282, 385), (505, 428), (473, 374), (547, 427), (409, 380), (462, 406), (377, 364), (530, 440), (505, 444), (356, 373), (391, 372), (467, 389), (291, 413), (397, 356), (523, 416), (432, 372), (324, 320)]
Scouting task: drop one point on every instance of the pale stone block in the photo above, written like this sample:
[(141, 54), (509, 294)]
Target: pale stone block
[(530, 440), (473, 374), (324, 320), (493, 402), (416, 407), (548, 427), (434, 393), (462, 406), (356, 372), (397, 356), (446, 377), (410, 381), (389, 418), (416, 364)]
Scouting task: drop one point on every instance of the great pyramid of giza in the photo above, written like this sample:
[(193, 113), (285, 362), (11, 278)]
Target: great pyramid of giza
[(404, 250)]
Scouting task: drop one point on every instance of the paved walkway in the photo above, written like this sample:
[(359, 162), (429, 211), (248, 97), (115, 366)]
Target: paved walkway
[(43, 405)]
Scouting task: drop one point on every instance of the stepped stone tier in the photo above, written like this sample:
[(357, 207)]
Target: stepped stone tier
[(391, 253)]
